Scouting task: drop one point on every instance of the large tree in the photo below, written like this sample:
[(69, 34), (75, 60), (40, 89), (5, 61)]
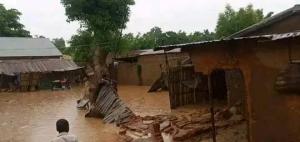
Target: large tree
[(59, 43), (104, 18), (10, 25), (206, 35), (156, 37), (81, 46), (231, 21)]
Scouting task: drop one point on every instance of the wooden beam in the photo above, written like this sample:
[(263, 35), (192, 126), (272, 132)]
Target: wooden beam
[(211, 100)]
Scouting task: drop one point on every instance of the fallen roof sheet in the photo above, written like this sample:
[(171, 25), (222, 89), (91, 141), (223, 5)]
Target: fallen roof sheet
[(11, 67), (27, 47), (271, 37)]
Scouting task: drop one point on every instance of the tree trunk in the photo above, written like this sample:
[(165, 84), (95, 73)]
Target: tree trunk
[(99, 68), (99, 61)]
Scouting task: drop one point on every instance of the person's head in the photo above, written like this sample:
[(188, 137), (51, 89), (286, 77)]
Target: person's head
[(62, 125)]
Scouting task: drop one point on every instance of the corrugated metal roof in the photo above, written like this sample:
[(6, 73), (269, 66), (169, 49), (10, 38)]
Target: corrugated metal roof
[(285, 35), (271, 37), (152, 52), (10, 67), (27, 47), (133, 55), (266, 22)]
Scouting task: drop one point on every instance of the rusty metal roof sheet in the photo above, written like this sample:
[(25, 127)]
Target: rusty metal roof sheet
[(285, 35), (153, 52), (271, 37), (11, 67), (133, 55)]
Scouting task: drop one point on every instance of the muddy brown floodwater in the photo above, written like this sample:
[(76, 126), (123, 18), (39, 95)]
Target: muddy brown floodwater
[(143, 103), (31, 117)]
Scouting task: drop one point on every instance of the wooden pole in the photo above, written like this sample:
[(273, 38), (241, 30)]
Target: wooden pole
[(195, 87), (290, 51), (170, 87), (167, 62), (181, 98), (210, 92)]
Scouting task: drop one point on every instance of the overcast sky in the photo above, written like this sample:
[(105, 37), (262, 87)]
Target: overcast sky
[(47, 17)]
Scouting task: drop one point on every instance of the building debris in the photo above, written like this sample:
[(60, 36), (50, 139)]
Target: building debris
[(160, 84), (179, 127), (109, 107)]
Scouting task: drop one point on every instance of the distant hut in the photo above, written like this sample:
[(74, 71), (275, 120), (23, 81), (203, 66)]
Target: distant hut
[(31, 63), (144, 67)]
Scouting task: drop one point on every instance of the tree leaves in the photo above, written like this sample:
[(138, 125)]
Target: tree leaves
[(81, 46), (104, 17), (231, 21), (156, 37), (60, 44), (10, 25), (109, 16)]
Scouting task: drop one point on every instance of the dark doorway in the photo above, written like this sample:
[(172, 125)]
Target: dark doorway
[(219, 87)]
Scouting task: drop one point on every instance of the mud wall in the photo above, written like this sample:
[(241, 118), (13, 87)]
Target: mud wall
[(151, 67), (275, 117), (151, 70), (127, 73), (272, 116)]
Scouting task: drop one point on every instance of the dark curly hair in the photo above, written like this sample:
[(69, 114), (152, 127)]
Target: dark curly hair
[(62, 125)]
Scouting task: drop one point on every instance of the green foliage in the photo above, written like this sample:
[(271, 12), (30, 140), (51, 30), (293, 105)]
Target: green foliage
[(126, 42), (105, 18), (80, 46), (156, 37), (202, 36), (39, 36), (231, 21), (10, 25), (104, 21), (59, 43)]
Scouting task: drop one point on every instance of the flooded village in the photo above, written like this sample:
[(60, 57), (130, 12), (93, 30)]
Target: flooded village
[(240, 87)]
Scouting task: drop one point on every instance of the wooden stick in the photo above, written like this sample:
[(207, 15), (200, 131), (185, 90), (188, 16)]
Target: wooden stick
[(210, 92)]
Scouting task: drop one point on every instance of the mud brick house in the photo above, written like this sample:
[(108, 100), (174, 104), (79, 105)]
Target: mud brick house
[(29, 63), (254, 65), (143, 67), (247, 70)]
